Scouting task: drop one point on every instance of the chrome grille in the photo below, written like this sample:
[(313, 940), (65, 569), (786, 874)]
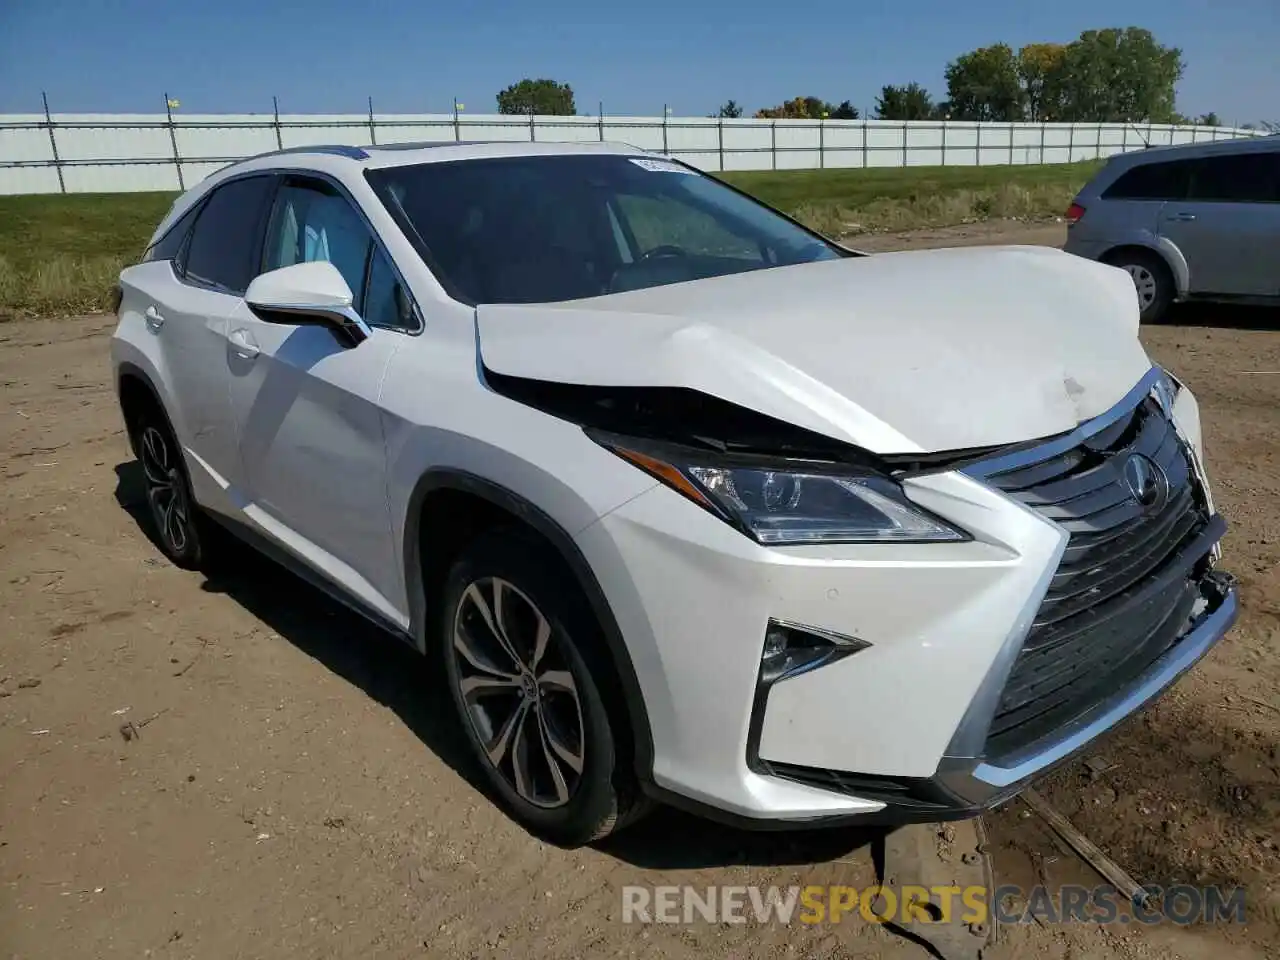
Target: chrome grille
[(1118, 600)]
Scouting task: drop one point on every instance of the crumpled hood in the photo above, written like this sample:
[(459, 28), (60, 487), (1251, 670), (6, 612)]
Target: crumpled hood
[(924, 351)]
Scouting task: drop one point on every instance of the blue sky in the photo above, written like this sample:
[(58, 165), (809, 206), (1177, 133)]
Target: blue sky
[(416, 55)]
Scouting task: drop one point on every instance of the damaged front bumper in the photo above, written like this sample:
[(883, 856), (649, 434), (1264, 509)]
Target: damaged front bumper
[(973, 667)]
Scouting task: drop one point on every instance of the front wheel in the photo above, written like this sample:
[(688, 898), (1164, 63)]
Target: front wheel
[(513, 640)]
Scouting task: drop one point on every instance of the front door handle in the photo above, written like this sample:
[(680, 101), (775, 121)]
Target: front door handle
[(154, 318), (245, 347), (1182, 217)]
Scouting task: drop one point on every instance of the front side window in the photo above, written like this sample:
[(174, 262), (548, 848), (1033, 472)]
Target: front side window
[(311, 221), (552, 228), (224, 242)]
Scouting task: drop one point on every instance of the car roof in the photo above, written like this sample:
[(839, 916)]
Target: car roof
[(376, 156), (1203, 149)]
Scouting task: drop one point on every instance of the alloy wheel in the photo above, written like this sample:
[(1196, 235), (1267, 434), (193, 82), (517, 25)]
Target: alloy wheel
[(1144, 281), (519, 695), (166, 493)]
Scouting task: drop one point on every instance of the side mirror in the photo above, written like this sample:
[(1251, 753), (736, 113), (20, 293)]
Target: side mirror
[(308, 293)]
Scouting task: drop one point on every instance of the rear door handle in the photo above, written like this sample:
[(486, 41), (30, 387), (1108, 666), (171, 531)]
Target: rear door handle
[(154, 318), (245, 347), (1182, 217)]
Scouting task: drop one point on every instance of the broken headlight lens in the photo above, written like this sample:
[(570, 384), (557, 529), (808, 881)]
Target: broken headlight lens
[(781, 507)]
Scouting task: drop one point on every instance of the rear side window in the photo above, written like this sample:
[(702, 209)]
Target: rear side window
[(223, 252), (1153, 181), (168, 246), (1241, 178)]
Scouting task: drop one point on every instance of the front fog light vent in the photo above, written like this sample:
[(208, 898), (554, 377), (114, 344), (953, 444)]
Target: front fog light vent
[(790, 648)]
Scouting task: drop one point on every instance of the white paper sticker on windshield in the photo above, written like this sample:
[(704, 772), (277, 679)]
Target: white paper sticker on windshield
[(658, 166)]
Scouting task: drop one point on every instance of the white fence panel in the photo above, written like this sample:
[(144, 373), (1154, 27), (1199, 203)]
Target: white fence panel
[(72, 153)]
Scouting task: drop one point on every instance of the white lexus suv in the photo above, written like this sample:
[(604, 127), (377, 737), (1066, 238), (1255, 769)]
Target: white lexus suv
[(686, 502)]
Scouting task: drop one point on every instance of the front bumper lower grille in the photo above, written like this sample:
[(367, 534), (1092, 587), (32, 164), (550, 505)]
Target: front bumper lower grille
[(1127, 586)]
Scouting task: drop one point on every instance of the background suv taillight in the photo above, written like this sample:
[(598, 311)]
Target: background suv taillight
[(1074, 213)]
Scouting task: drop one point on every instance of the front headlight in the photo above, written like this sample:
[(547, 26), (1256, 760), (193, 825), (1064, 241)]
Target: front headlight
[(779, 506), (1165, 391)]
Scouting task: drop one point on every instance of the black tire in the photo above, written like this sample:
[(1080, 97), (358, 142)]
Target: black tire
[(522, 580), (178, 525), (1152, 281)]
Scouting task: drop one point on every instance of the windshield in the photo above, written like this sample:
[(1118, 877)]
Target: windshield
[(548, 228)]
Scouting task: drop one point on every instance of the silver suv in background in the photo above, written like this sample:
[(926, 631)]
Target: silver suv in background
[(1195, 221)]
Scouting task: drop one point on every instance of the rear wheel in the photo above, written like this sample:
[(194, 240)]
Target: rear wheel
[(517, 646), (1152, 281)]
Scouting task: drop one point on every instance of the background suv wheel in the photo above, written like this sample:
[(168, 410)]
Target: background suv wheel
[(1151, 279), (516, 642)]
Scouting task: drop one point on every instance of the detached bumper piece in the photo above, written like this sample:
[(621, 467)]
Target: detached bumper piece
[(1133, 605)]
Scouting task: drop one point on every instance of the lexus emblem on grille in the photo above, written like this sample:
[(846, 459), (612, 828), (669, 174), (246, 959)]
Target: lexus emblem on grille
[(1146, 481)]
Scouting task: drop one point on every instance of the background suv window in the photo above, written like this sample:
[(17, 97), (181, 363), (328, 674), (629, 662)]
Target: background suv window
[(1153, 181), (1241, 178), (224, 243)]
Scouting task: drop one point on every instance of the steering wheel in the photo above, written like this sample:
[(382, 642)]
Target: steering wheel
[(664, 250)]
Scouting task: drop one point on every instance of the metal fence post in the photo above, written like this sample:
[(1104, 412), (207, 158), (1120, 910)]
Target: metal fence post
[(457, 129), (664, 128), (865, 158), (1071, 144), (1011, 142), (977, 145), (720, 140), (275, 122), (944, 141), (773, 144), (822, 144), (1194, 132), (601, 116), (53, 142), (532, 136), (904, 144), (373, 130), (1043, 125), (173, 139), (1097, 147)]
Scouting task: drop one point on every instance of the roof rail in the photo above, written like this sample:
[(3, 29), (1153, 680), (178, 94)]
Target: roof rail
[(336, 149), (424, 144)]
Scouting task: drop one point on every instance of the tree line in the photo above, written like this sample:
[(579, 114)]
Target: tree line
[(1113, 75)]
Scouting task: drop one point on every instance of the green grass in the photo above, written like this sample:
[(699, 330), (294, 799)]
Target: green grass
[(845, 202), (62, 254)]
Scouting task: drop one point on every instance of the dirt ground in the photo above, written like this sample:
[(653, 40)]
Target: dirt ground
[(294, 787)]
